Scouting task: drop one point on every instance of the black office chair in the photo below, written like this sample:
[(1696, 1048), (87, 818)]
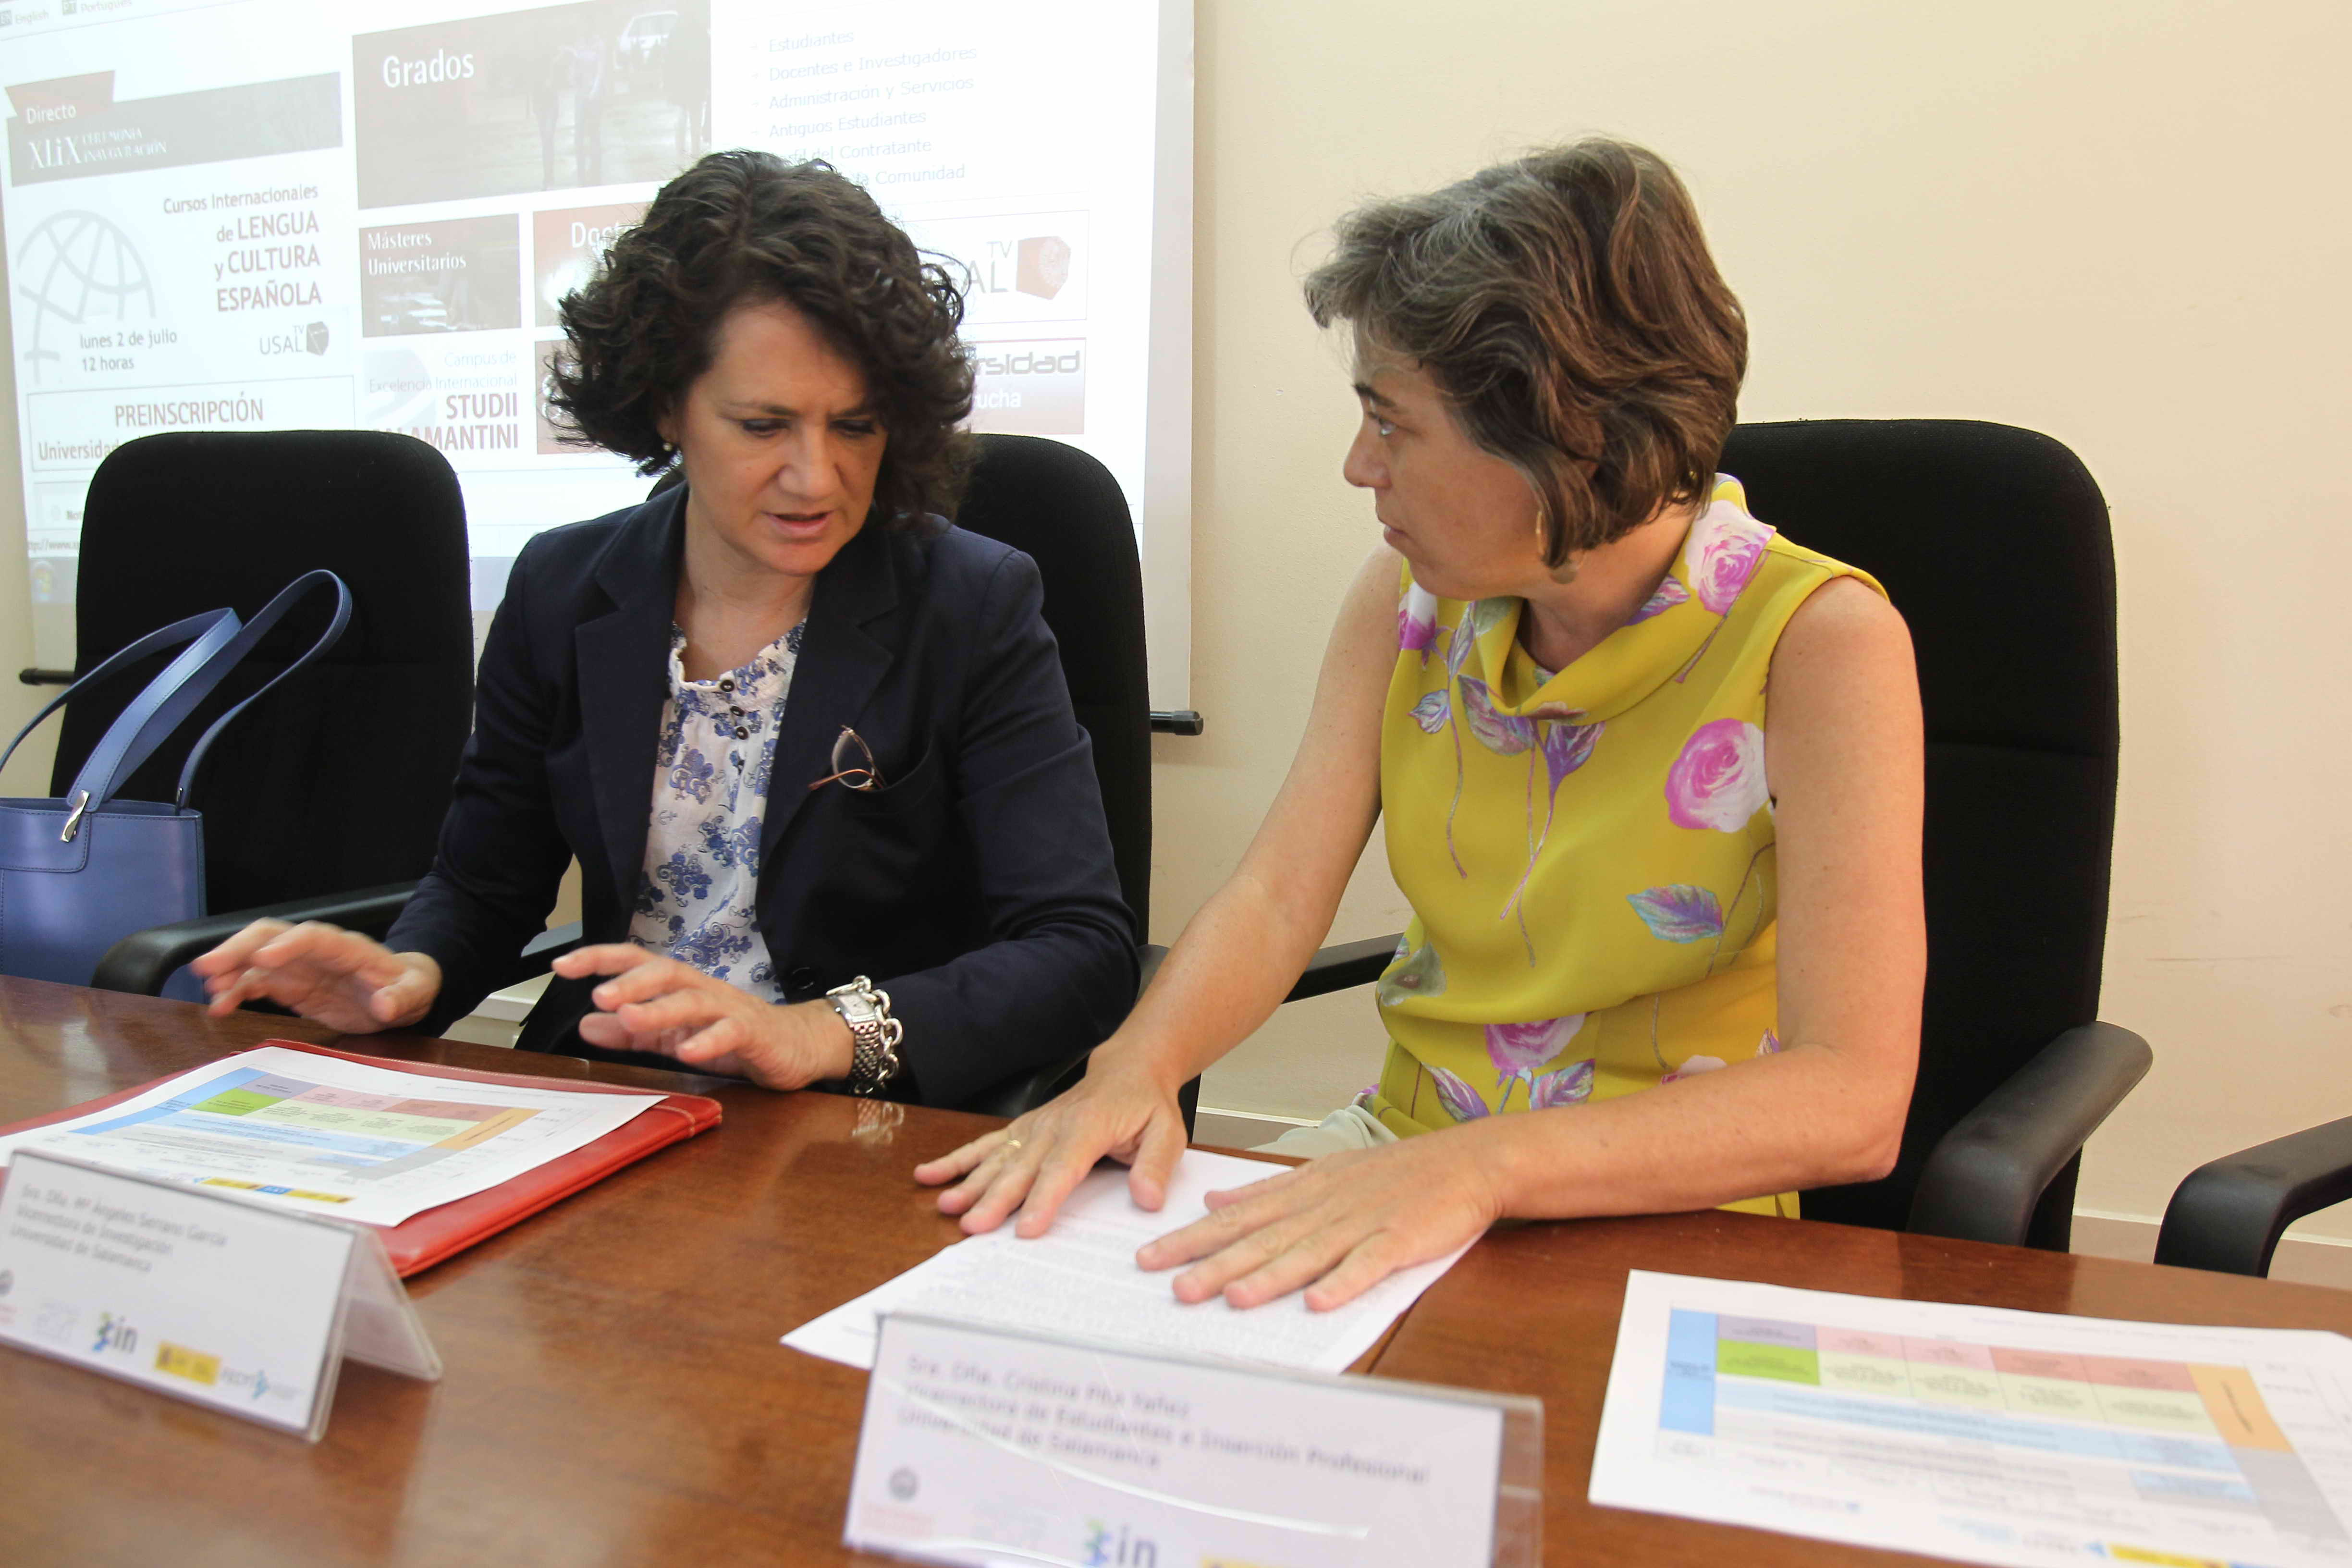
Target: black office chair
[(1993, 543), (1063, 510), (2230, 1213), (323, 802)]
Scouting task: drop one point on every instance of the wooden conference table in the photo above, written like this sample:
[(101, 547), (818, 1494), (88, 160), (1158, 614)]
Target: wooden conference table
[(614, 1393)]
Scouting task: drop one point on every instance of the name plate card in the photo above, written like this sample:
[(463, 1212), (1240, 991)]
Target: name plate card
[(987, 1446), (199, 1293)]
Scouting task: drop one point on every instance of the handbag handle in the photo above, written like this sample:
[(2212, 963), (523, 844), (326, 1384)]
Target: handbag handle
[(234, 653), (166, 703), (211, 631), (218, 643)]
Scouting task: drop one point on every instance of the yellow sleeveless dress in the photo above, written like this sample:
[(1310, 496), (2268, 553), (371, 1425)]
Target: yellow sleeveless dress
[(1588, 855)]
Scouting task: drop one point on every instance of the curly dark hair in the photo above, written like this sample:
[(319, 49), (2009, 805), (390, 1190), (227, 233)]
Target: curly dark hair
[(1566, 305), (749, 228)]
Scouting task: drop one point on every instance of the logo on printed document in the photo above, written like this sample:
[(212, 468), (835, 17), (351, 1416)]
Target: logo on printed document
[(1106, 1548)]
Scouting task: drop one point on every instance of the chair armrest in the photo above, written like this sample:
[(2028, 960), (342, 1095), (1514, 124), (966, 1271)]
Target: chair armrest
[(2227, 1215), (142, 962), (1986, 1175), (1345, 966), (540, 952), (554, 943), (1028, 1091)]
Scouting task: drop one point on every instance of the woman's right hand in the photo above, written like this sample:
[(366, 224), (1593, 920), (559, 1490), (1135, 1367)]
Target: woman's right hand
[(330, 975), (1124, 1113)]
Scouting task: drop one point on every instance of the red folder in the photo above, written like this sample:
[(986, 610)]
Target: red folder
[(425, 1239)]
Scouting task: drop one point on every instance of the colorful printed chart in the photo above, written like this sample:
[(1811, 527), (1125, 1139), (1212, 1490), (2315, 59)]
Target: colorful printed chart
[(369, 1135), (1989, 1436), (370, 1143)]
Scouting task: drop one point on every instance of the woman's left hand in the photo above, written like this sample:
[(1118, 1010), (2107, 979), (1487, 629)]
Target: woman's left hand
[(1337, 1227), (657, 1003)]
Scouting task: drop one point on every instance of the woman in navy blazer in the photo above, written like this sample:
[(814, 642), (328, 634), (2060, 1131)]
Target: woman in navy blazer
[(931, 846)]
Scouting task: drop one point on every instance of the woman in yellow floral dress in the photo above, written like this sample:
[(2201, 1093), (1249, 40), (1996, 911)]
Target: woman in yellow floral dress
[(1651, 777)]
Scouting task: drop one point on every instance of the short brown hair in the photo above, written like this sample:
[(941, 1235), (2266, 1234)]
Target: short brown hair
[(1566, 305), (749, 228)]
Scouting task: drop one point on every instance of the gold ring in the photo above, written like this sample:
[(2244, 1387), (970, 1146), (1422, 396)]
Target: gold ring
[(1012, 1144)]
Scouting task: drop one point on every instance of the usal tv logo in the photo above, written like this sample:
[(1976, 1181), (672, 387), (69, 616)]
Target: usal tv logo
[(309, 340)]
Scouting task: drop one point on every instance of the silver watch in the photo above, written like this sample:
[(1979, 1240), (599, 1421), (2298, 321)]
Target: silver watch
[(874, 1059)]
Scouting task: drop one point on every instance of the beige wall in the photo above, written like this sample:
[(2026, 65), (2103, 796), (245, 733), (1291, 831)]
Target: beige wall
[(27, 772), (2117, 223), (2121, 224)]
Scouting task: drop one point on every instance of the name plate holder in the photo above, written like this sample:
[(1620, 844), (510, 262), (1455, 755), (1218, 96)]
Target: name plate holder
[(992, 1447), (202, 1293)]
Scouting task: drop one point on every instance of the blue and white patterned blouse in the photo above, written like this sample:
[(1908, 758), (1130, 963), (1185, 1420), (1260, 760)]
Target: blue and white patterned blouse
[(696, 896)]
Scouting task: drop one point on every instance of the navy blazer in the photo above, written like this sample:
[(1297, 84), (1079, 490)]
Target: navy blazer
[(977, 888)]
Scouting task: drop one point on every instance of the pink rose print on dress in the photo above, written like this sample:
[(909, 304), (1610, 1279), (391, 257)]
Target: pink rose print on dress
[(1416, 621), (1568, 1085), (1430, 713), (1692, 1068), (1717, 781), (1721, 554), (1461, 1102)]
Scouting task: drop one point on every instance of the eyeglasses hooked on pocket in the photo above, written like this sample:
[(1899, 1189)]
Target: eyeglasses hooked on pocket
[(853, 765)]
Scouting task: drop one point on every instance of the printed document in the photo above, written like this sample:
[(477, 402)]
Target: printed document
[(2019, 1438), (1081, 1278), (322, 1135)]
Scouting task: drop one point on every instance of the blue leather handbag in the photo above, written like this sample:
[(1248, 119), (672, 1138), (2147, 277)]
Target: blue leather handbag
[(79, 874)]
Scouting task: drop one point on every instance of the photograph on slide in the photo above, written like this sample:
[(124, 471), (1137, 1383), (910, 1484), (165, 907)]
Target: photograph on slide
[(453, 274), (554, 98)]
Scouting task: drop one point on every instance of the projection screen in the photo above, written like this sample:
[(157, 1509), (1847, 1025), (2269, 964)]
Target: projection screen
[(283, 215)]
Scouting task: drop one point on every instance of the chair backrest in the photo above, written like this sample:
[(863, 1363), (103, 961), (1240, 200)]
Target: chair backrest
[(340, 778), (1994, 545), (1063, 510)]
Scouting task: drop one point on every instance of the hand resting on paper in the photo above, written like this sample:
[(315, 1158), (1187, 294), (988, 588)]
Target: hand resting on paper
[(328, 974), (657, 1003), (1031, 1165), (1334, 1227)]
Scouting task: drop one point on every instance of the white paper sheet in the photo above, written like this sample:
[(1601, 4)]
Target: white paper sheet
[(2018, 1438), (1081, 1278), (321, 1135)]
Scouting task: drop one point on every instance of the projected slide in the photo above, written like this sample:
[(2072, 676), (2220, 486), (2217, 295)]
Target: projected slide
[(265, 215)]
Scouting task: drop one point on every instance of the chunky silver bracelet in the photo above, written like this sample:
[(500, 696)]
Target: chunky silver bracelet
[(874, 1056)]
